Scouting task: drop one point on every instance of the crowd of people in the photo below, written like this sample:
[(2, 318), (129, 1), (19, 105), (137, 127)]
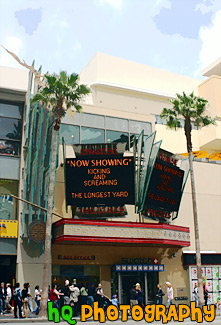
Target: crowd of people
[(21, 300), (76, 295)]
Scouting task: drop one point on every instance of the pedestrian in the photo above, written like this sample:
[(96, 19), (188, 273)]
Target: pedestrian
[(169, 294), (66, 293), (29, 297), (37, 300), (133, 296), (2, 298), (17, 297), (139, 294), (100, 295), (54, 296), (195, 294), (91, 293), (74, 293), (8, 306), (114, 301), (159, 295), (83, 295), (49, 289), (206, 294), (24, 294)]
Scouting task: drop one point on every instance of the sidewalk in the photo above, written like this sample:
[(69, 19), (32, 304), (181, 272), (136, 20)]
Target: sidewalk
[(9, 319)]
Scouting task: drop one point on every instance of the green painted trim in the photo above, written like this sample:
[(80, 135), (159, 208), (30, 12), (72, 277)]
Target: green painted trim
[(151, 170)]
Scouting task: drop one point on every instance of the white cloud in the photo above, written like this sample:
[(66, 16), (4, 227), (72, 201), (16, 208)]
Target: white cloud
[(211, 45), (115, 4)]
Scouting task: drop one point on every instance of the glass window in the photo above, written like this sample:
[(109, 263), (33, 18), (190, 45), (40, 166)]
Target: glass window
[(10, 148), (69, 120), (11, 110), (137, 126), (70, 133), (114, 136), (10, 128), (91, 135), (92, 120), (117, 124), (8, 205)]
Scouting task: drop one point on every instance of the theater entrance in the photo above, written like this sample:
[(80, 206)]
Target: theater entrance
[(147, 281)]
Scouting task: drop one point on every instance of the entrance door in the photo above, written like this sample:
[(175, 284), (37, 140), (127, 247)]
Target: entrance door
[(128, 279)]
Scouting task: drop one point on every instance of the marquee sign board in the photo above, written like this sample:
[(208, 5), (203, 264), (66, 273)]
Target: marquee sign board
[(164, 190), (101, 212), (99, 180)]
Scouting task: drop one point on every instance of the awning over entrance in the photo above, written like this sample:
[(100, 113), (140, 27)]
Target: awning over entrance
[(71, 230)]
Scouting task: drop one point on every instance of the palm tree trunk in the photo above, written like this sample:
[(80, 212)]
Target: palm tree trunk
[(47, 251), (197, 236), (195, 216)]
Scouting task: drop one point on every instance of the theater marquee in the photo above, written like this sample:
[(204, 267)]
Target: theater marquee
[(99, 181)]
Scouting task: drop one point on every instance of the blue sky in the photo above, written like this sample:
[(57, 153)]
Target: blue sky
[(181, 36)]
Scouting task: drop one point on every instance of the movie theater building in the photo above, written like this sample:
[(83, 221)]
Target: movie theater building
[(120, 251), (115, 245)]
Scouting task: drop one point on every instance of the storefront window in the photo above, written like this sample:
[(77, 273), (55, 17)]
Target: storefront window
[(137, 126), (92, 120), (70, 133), (116, 124), (8, 205), (114, 136), (91, 135), (10, 128), (84, 274), (10, 148), (11, 110)]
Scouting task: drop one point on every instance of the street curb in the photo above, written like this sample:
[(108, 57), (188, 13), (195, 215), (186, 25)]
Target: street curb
[(30, 320), (24, 320), (41, 320)]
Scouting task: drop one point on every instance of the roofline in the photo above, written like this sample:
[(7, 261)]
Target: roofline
[(127, 88)]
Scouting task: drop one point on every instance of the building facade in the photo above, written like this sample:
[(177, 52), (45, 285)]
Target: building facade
[(126, 97)]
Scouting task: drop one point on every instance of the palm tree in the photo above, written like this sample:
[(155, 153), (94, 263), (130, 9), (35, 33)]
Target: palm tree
[(192, 109), (59, 93)]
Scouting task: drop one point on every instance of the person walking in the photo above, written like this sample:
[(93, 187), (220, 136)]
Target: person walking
[(100, 295), (169, 294), (8, 307), (91, 293), (66, 292), (139, 295), (74, 293), (159, 295), (206, 294), (195, 294), (133, 296), (17, 296), (54, 296), (37, 300), (83, 295), (24, 294), (2, 298), (29, 297)]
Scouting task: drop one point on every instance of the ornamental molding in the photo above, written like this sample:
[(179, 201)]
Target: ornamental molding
[(125, 232)]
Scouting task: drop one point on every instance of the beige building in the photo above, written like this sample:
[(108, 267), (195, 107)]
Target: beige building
[(128, 97)]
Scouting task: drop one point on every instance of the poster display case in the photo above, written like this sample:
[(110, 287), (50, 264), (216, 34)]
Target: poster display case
[(212, 278)]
